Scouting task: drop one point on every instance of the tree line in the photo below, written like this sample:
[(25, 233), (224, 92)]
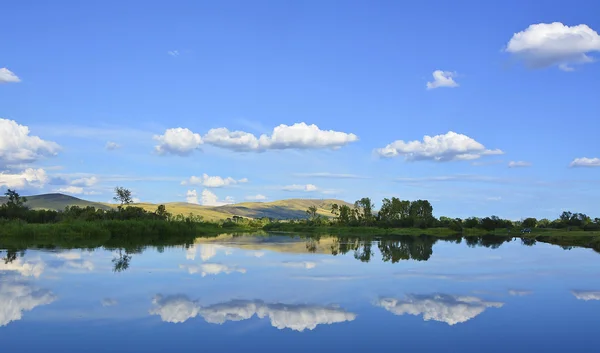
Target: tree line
[(396, 213)]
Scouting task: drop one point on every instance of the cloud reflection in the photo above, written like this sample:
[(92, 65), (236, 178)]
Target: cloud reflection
[(301, 264), (586, 295), (179, 308), (438, 307), (17, 297), (24, 268), (212, 269)]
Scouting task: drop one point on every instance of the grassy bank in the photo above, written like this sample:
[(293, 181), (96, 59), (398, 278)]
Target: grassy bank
[(111, 233)]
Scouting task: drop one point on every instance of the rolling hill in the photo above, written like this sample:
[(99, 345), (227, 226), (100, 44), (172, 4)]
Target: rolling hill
[(57, 202), (282, 209)]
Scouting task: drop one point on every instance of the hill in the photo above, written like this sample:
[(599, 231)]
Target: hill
[(57, 202), (282, 209)]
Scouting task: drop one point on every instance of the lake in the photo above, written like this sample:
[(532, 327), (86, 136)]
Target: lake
[(291, 294)]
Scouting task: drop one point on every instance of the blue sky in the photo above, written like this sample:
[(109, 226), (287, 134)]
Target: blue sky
[(101, 85)]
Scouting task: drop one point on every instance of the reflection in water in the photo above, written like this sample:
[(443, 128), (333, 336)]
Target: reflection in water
[(17, 297), (179, 308), (24, 268), (109, 302), (212, 269), (438, 307), (519, 293), (121, 262), (586, 295), (299, 264)]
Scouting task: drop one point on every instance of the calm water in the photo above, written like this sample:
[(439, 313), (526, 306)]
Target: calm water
[(274, 294)]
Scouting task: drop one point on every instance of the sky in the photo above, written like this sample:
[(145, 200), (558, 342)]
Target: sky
[(483, 108)]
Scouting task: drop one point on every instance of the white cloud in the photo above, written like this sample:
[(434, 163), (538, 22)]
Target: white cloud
[(494, 198), (24, 268), (440, 148), (519, 293), (17, 146), (586, 295), (438, 307), (91, 181), (177, 141), (208, 198), (212, 181), (300, 264), (174, 53), (109, 302), (192, 197), (211, 269), (28, 178), (177, 309), (7, 76), (257, 197), (15, 298), (519, 164), (257, 254), (296, 187), (554, 44), (297, 136), (111, 146), (207, 251), (68, 255), (75, 190), (174, 309), (585, 162), (442, 79)]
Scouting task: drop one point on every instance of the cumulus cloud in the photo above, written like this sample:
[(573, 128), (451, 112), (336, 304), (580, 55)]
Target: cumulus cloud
[(554, 44), (257, 197), (177, 309), (91, 181), (28, 178), (71, 260), (586, 295), (300, 264), (212, 269), (108, 302), (519, 164), (207, 251), (438, 307), (75, 190), (111, 146), (213, 181), (297, 136), (207, 198), (16, 298), (191, 196), (440, 148), (296, 187), (18, 147), (7, 76), (174, 309), (585, 162), (179, 141), (174, 53), (24, 268), (442, 79)]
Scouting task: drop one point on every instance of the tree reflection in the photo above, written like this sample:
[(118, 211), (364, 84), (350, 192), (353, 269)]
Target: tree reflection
[(121, 262)]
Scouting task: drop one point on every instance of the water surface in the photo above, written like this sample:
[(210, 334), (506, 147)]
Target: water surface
[(282, 293)]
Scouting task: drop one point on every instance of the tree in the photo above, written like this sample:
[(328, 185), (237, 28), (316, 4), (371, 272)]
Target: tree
[(530, 222), (161, 211), (14, 199), (123, 196), (364, 208), (312, 213)]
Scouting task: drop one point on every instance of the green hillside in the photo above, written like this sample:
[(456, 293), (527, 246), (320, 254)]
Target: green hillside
[(282, 209), (56, 202)]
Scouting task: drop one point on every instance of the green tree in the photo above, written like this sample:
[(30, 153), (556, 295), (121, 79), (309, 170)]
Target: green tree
[(364, 209), (161, 211), (123, 196), (14, 199), (530, 222), (312, 213)]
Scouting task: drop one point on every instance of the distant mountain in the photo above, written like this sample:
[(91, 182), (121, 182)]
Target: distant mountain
[(282, 209), (57, 202)]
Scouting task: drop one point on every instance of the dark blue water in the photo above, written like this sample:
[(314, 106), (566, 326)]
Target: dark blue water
[(275, 294)]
